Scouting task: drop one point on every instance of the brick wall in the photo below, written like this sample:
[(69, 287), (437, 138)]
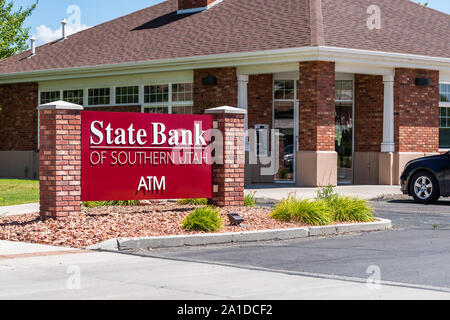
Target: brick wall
[(222, 94), (368, 118), (60, 163), (260, 97), (189, 4), (416, 111), (317, 106), (18, 116)]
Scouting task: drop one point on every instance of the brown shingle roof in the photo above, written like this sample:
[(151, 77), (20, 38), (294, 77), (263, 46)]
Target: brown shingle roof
[(234, 26), (407, 27)]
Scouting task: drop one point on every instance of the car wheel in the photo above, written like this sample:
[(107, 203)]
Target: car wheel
[(424, 188)]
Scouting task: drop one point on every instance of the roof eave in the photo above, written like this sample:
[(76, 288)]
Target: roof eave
[(176, 64)]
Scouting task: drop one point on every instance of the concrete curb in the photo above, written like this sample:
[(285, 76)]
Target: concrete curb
[(133, 244)]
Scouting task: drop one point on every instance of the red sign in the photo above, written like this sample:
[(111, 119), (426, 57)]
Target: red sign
[(134, 156)]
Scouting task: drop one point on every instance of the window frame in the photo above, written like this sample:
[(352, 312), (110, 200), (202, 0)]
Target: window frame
[(352, 90), (295, 88), (53, 91), (74, 89), (170, 104), (443, 104), (98, 105), (114, 98), (141, 86)]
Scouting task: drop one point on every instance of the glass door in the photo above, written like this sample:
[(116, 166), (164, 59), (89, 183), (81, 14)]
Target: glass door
[(344, 130), (286, 122)]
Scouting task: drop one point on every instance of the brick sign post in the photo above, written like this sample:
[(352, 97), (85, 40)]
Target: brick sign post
[(229, 173), (60, 159)]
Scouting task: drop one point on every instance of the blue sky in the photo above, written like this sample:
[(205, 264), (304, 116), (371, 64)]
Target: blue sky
[(46, 20)]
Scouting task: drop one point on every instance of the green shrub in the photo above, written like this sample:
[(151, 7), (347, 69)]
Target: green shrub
[(312, 212), (125, 203), (203, 219), (249, 199), (193, 202), (346, 209)]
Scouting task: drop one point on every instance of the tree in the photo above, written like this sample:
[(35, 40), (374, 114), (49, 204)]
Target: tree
[(13, 34)]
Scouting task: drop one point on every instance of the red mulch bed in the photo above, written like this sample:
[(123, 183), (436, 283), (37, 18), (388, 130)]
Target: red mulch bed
[(96, 225)]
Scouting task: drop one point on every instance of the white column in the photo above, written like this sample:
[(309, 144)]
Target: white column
[(388, 144), (243, 103)]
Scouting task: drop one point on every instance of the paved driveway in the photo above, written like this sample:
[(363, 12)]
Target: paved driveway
[(416, 254)]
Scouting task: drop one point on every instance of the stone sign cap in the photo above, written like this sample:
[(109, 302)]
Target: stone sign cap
[(225, 109), (60, 105)]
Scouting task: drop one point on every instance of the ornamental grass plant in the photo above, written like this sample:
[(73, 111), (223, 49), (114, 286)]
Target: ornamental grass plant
[(206, 219), (346, 209), (327, 208), (311, 212)]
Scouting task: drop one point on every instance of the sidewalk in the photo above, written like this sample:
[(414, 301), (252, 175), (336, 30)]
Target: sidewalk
[(278, 192), (20, 209), (59, 273), (8, 248)]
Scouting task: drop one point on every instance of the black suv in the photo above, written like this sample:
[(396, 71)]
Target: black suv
[(427, 179)]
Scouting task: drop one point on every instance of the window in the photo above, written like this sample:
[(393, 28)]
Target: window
[(156, 94), (169, 98), (444, 127), (52, 96), (262, 140), (444, 116), (344, 90), (99, 97), (444, 92), (74, 96), (182, 92), (127, 95), (284, 89)]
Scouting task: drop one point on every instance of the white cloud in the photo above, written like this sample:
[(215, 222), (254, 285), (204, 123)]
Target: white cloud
[(45, 34)]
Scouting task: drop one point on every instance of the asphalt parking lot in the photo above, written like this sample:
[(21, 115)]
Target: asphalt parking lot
[(416, 253)]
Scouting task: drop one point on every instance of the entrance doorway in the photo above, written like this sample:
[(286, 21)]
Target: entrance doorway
[(344, 130)]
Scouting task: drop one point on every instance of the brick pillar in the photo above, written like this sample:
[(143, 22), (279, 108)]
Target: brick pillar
[(229, 171), (368, 127), (60, 159), (317, 158), (416, 117)]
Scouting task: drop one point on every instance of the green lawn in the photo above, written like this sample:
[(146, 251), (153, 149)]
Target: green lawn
[(13, 192)]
